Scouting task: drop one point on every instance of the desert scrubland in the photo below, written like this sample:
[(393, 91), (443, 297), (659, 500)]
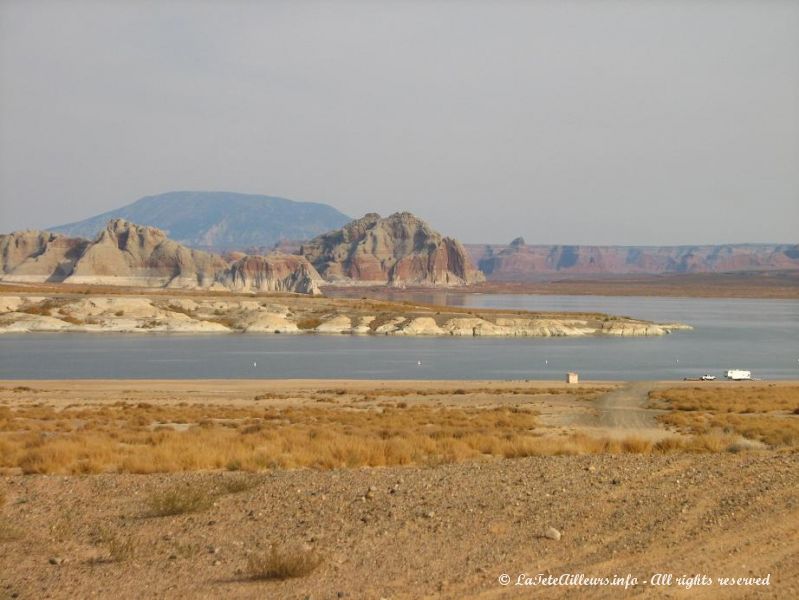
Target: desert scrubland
[(401, 489)]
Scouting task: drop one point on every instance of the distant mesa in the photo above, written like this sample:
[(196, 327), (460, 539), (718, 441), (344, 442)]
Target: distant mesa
[(219, 220), (126, 254), (397, 250), (519, 261)]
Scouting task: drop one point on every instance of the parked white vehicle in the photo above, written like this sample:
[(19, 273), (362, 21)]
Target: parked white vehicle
[(708, 378), (738, 374)]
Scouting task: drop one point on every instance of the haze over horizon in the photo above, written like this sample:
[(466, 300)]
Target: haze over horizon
[(615, 123)]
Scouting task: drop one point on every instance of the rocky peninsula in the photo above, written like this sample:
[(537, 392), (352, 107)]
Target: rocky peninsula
[(136, 311)]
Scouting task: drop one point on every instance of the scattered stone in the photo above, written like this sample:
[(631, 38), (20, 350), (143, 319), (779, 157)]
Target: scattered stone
[(552, 534), (57, 560)]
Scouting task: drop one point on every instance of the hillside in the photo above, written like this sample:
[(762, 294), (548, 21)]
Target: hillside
[(219, 220)]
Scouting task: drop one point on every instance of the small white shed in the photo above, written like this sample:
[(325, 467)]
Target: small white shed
[(572, 378)]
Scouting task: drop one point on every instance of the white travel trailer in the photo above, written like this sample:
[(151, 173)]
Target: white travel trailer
[(738, 374)]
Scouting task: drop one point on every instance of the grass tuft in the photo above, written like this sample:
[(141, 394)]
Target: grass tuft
[(236, 485), (178, 500), (120, 547), (282, 563), (8, 532)]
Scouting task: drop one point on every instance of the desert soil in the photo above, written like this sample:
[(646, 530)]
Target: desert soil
[(448, 531), (436, 531)]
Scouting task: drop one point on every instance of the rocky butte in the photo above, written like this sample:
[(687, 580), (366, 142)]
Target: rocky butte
[(126, 254), (397, 250)]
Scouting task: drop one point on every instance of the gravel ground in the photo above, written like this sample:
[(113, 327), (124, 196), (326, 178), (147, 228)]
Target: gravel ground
[(448, 531)]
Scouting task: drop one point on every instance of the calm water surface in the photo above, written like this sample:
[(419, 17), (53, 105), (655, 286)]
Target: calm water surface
[(759, 335)]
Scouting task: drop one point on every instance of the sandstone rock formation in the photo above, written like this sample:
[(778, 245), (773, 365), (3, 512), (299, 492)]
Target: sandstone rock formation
[(397, 250), (37, 256), (127, 254), (274, 272), (519, 261)]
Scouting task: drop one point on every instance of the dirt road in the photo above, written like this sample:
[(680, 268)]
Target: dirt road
[(624, 412)]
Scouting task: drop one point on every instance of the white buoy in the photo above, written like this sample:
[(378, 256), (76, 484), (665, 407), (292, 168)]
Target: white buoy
[(254, 364), (419, 363)]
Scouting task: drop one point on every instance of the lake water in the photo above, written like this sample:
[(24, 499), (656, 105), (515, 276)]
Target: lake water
[(758, 335)]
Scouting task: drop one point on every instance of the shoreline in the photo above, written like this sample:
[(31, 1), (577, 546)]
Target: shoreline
[(753, 285), (378, 383)]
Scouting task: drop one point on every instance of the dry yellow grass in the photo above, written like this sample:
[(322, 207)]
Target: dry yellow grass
[(745, 399), (764, 413), (147, 438), (776, 431), (282, 563), (143, 438)]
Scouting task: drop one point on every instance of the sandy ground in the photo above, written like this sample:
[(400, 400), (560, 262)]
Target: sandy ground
[(446, 531), (242, 392)]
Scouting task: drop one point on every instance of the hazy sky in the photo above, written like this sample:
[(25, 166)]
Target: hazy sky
[(565, 122)]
